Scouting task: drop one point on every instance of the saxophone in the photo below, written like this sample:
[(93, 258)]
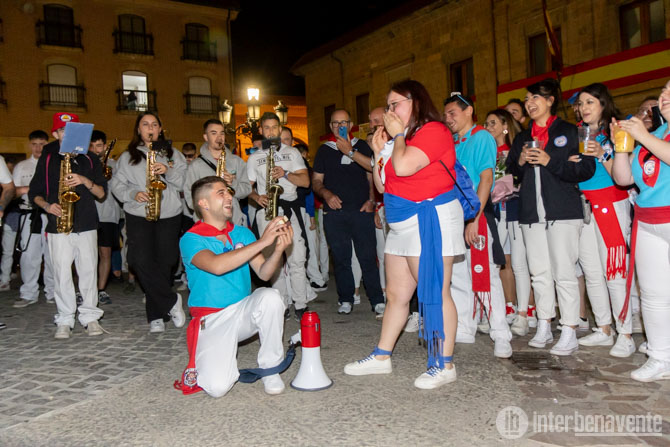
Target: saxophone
[(272, 187), (67, 196), (105, 156), (155, 186), (221, 168)]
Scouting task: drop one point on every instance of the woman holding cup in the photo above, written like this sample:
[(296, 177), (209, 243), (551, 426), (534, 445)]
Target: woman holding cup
[(649, 168), (603, 240), (551, 213)]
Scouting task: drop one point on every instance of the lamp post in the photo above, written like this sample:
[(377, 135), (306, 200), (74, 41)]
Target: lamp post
[(282, 112), (225, 113), (254, 105)]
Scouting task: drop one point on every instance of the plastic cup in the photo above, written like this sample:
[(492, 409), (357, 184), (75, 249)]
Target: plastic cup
[(623, 141), (585, 136)]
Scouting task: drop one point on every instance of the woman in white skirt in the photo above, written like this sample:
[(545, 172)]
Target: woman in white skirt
[(426, 230)]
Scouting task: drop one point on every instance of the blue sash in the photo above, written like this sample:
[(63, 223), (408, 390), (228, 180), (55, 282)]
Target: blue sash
[(431, 267)]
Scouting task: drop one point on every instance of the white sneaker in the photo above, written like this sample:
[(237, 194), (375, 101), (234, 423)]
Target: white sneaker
[(357, 299), (532, 317), (652, 370), (345, 308), (413, 322), (520, 326), (273, 384), (532, 322), (62, 332), (567, 344), (93, 328), (583, 325), (636, 319), (21, 303), (484, 327), (435, 377), (510, 312), (379, 311), (368, 365), (464, 338), (4, 286), (542, 336), (597, 338), (156, 326), (177, 313), (643, 347), (624, 347), (502, 348)]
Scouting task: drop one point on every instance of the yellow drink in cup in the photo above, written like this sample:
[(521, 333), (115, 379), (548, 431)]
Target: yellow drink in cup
[(623, 141), (584, 136)]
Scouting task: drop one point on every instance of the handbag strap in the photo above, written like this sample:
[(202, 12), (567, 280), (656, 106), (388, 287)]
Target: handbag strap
[(457, 185)]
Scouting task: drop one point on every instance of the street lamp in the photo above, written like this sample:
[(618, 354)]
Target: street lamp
[(282, 112), (254, 105), (225, 113)]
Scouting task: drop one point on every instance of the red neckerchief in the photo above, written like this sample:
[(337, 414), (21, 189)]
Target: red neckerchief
[(204, 229), (479, 267), (651, 167), (332, 138), (476, 128), (541, 134), (503, 147)]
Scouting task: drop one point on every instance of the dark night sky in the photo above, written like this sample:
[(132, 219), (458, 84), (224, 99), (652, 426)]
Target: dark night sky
[(269, 37)]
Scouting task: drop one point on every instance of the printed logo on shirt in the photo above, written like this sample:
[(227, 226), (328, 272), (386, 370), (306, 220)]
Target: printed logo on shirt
[(239, 245), (649, 167), (560, 141)]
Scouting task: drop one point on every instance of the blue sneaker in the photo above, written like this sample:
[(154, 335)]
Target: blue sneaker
[(104, 298)]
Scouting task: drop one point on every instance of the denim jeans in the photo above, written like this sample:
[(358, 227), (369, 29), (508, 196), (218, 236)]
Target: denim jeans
[(342, 227)]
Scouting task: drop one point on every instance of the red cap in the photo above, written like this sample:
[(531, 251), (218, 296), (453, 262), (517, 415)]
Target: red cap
[(62, 118)]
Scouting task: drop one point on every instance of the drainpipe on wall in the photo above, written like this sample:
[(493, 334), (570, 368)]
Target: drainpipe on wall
[(339, 61)]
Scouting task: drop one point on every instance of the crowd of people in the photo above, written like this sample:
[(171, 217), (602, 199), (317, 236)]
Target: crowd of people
[(451, 226)]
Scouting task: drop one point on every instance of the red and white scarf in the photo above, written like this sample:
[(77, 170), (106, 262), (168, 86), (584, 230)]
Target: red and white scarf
[(479, 267)]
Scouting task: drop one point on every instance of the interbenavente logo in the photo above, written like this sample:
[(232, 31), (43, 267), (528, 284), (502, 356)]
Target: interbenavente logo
[(512, 423)]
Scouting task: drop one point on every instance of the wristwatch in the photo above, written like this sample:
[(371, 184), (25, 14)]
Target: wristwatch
[(351, 153)]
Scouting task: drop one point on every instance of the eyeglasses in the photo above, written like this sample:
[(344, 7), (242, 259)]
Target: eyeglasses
[(342, 123), (189, 155), (392, 106)]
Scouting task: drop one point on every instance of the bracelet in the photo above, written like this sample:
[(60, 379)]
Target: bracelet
[(286, 173), (401, 134)]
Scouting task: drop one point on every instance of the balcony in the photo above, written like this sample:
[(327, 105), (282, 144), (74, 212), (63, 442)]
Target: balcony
[(201, 104), (3, 100), (58, 34), (143, 101), (62, 95), (198, 50), (133, 43)]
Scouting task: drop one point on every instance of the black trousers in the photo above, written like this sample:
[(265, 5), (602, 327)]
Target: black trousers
[(153, 253)]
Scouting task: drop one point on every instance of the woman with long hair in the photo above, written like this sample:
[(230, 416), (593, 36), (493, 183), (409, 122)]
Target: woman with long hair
[(603, 240), (551, 214), (153, 246), (426, 230), (649, 168)]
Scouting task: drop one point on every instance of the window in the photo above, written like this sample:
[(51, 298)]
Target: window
[(131, 36), (463, 78), (641, 22), (539, 57), (61, 88), (196, 44), (362, 108), (199, 98), (135, 95), (58, 27), (327, 111), (3, 100)]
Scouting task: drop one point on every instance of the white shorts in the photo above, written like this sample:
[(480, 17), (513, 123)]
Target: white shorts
[(403, 238)]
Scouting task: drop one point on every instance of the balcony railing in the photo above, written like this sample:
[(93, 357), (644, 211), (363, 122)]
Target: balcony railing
[(62, 95), (133, 43), (3, 100), (136, 100), (52, 33), (201, 104), (198, 50)]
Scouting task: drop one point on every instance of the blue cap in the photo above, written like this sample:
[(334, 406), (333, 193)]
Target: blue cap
[(573, 98)]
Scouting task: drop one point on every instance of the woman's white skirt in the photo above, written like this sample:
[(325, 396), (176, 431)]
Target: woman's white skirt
[(403, 238)]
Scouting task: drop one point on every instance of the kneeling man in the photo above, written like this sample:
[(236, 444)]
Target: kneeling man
[(217, 256)]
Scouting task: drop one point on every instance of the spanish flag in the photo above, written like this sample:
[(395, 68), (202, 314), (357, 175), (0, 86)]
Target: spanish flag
[(552, 40)]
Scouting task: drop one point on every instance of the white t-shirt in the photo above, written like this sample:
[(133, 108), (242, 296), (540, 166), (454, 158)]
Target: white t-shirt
[(23, 174), (287, 157)]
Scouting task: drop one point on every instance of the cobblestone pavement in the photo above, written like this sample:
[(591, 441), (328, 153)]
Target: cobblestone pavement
[(117, 389)]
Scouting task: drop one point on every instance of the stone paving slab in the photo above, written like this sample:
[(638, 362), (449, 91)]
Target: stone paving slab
[(117, 390)]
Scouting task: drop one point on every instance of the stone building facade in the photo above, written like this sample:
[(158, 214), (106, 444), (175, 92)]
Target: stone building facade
[(490, 50)]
